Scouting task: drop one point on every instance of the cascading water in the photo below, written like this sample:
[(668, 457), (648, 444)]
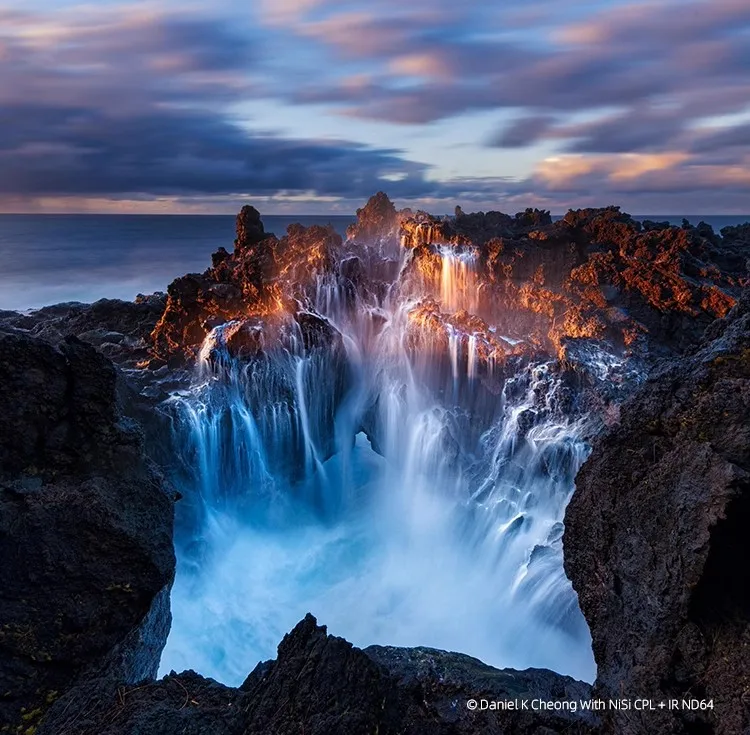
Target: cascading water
[(369, 476)]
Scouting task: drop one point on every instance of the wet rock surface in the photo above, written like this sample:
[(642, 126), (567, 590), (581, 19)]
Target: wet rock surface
[(264, 275), (595, 274), (656, 538), (322, 685), (86, 557)]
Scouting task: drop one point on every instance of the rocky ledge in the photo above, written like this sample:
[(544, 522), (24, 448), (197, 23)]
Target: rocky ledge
[(322, 685)]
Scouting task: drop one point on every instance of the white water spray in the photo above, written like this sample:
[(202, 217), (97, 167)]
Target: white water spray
[(374, 481)]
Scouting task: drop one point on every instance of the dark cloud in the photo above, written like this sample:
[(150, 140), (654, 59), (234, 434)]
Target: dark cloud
[(637, 130), (135, 105), (74, 152), (522, 132), (728, 139)]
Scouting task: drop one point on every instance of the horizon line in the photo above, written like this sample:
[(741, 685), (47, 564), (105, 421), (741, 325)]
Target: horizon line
[(353, 214)]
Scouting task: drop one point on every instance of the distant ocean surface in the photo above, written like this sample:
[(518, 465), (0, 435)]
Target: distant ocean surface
[(46, 259)]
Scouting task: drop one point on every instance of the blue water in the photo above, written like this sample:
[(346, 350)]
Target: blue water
[(52, 258)]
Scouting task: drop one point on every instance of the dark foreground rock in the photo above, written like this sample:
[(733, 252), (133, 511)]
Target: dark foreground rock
[(657, 542), (86, 557), (322, 685)]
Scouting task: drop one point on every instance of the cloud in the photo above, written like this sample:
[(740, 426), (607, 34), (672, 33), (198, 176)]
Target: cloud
[(523, 132), (132, 103), (83, 152), (630, 56), (136, 102), (730, 140)]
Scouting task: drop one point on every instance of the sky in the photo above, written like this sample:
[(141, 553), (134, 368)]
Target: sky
[(311, 106)]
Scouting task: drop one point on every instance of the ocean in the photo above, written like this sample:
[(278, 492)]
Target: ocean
[(48, 259)]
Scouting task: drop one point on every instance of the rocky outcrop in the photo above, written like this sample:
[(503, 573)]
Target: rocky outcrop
[(473, 229), (502, 285), (656, 540), (322, 685), (595, 274), (86, 557), (118, 329), (263, 276), (377, 222)]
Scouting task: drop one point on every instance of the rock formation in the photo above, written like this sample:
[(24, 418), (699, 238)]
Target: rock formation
[(377, 221), (86, 557), (258, 280), (595, 274), (656, 541), (118, 329), (322, 685)]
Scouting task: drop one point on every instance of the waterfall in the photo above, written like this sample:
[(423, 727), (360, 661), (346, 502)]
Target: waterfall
[(459, 284), (373, 476)]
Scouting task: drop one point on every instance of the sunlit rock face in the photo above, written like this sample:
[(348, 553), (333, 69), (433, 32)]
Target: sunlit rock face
[(597, 274), (386, 430), (263, 276)]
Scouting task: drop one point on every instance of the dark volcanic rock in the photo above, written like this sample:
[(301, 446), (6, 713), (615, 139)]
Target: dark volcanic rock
[(595, 274), (656, 541), (443, 682), (322, 685), (86, 558), (250, 229), (119, 329)]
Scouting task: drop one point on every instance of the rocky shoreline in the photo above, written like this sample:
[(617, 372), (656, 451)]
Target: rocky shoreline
[(655, 534)]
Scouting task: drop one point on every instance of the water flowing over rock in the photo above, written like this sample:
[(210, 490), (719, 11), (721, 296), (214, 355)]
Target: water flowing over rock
[(475, 354), (377, 224), (656, 541), (386, 430), (86, 556), (595, 274), (263, 276)]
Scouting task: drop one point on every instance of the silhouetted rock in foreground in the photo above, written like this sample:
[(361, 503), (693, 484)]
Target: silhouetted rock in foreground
[(86, 557), (657, 541), (322, 685)]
